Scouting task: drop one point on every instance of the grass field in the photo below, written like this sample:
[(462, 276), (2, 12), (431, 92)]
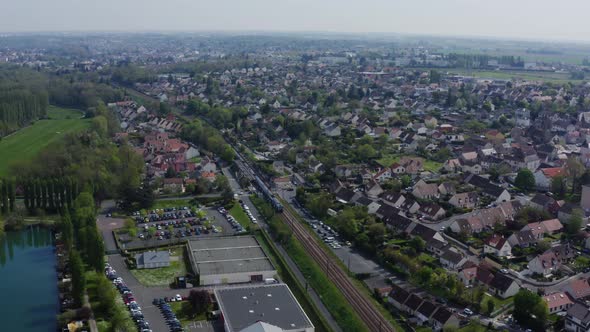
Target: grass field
[(525, 75), (26, 143)]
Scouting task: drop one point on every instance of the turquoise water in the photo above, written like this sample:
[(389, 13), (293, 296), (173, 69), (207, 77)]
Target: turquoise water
[(28, 281)]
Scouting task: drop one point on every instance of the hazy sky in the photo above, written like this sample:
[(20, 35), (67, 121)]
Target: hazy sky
[(538, 19)]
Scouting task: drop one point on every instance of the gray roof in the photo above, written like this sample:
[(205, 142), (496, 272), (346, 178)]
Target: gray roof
[(152, 257), (273, 304), (224, 255), (581, 312)]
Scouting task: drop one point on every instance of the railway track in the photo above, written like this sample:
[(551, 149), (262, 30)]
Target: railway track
[(370, 315)]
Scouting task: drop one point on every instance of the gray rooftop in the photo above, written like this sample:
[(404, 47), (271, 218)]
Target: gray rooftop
[(152, 257), (273, 304), (229, 255)]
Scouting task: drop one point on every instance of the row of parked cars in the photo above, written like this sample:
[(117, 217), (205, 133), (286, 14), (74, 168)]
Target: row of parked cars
[(164, 215), (248, 212), (128, 299), (169, 315), (232, 221), (328, 235)]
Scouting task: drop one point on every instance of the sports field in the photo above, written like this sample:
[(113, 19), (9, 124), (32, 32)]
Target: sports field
[(27, 142)]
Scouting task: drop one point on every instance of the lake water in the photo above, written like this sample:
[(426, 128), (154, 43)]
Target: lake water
[(28, 281)]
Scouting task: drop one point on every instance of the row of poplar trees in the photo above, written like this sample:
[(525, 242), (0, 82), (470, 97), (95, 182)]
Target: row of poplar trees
[(7, 195), (51, 195), (83, 241)]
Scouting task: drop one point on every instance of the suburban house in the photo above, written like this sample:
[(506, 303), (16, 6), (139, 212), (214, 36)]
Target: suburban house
[(539, 229), (558, 302), (451, 259), (577, 318), (544, 202), (497, 245), (468, 275), (392, 198), (522, 239), (425, 190), (152, 259), (544, 176), (397, 297), (413, 303), (432, 211), (465, 200), (175, 185), (503, 286), (487, 188), (545, 264), (425, 312), (578, 289), (443, 318)]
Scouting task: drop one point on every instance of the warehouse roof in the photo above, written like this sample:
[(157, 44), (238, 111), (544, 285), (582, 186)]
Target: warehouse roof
[(272, 304), (226, 255)]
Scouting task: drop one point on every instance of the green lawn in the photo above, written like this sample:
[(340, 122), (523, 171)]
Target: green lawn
[(183, 312), (26, 143), (163, 276), (498, 302), (58, 113), (237, 212), (170, 203)]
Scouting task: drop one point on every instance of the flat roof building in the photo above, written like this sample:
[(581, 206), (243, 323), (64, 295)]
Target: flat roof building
[(227, 260), (273, 305)]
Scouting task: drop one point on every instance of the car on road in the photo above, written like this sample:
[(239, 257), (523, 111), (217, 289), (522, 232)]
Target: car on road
[(505, 271), (178, 297), (467, 312)]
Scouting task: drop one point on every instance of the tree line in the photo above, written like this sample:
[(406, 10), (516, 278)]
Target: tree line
[(50, 195), (7, 195)]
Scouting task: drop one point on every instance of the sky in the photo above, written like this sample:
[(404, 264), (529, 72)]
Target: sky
[(518, 19)]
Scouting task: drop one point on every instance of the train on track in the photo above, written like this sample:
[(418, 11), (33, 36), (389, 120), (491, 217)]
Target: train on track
[(268, 195)]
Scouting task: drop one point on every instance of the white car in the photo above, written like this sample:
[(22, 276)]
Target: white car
[(178, 297), (468, 312)]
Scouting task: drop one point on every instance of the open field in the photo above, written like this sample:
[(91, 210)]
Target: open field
[(27, 142), (508, 75)]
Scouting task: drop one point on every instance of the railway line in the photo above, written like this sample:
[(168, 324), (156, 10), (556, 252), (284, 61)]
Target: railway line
[(363, 306)]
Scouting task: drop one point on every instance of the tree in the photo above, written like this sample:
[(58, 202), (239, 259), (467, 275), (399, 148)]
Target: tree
[(490, 307), (530, 310), (559, 186), (574, 169), (78, 278), (106, 296), (67, 230), (200, 301), (575, 222), (525, 180), (417, 243)]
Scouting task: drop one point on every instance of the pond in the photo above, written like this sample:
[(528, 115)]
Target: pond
[(28, 281)]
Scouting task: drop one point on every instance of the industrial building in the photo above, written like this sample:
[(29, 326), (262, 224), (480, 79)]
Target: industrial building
[(261, 308), (229, 260), (152, 259)]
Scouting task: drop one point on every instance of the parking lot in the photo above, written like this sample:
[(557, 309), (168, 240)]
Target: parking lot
[(175, 227)]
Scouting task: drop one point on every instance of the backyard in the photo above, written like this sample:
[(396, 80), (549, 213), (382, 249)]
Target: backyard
[(429, 165)]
